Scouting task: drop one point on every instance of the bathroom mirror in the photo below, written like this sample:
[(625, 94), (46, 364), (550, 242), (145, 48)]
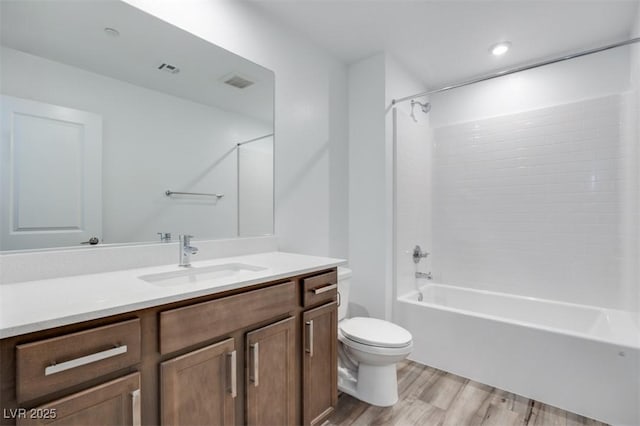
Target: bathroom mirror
[(119, 126)]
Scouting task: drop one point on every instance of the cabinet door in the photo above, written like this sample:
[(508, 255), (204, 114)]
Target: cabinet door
[(270, 374), (199, 388), (113, 403), (319, 365)]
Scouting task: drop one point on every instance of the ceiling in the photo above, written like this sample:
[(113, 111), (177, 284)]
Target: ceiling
[(443, 42), (72, 32)]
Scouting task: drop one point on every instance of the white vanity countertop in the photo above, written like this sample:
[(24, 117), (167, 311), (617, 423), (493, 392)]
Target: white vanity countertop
[(38, 305)]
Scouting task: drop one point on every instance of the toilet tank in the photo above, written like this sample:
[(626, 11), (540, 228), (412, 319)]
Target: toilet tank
[(344, 282)]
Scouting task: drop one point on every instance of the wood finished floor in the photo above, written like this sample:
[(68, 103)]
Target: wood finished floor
[(434, 397)]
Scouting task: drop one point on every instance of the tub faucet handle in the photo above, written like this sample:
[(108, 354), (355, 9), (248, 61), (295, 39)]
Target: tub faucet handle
[(418, 254)]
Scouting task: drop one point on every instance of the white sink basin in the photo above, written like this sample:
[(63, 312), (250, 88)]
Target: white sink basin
[(201, 274)]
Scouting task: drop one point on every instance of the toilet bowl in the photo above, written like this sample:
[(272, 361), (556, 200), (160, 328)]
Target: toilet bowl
[(368, 352)]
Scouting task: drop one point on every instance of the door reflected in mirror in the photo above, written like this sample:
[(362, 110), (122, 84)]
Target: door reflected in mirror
[(119, 126)]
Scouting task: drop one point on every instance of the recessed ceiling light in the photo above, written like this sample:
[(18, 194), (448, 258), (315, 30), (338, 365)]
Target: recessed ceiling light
[(112, 32), (500, 48)]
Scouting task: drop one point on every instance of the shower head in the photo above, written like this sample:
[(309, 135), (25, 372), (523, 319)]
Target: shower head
[(425, 107)]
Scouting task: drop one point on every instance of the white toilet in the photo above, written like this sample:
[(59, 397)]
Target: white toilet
[(368, 352)]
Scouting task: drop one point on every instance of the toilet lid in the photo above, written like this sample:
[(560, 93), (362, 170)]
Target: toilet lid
[(375, 332)]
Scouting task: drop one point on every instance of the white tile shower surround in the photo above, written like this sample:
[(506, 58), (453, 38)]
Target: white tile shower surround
[(539, 203), (413, 198)]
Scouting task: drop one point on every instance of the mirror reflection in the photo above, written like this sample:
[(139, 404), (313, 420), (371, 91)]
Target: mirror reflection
[(121, 127)]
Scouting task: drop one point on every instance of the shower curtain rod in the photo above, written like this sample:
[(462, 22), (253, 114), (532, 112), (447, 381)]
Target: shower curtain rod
[(254, 139), (518, 69)]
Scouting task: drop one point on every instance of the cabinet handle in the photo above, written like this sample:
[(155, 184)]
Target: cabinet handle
[(88, 359), (325, 289), (310, 338), (233, 369), (136, 411), (255, 352)]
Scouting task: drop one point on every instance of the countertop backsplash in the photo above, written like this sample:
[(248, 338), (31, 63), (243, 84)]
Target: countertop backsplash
[(44, 264)]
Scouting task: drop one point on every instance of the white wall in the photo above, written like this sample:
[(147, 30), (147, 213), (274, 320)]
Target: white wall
[(310, 117), (385, 215), (192, 145), (533, 187), (368, 193)]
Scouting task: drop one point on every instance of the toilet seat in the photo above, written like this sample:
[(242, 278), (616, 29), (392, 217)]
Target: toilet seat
[(375, 332), (376, 350)]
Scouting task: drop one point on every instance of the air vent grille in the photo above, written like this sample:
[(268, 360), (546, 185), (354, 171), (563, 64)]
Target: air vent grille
[(239, 82), (171, 69)]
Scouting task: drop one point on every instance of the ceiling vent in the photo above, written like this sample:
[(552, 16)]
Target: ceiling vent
[(238, 82), (171, 69)]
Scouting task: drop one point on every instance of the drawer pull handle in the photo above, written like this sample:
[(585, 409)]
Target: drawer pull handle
[(136, 410), (255, 349), (310, 338), (233, 369), (325, 289), (88, 359)]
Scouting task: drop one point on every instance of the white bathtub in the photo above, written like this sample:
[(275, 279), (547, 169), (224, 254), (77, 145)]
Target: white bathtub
[(580, 358)]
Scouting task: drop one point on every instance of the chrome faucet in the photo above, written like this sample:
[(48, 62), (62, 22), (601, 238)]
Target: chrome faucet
[(186, 250), (165, 237)]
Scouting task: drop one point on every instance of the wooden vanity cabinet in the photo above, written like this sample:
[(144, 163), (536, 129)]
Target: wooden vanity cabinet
[(48, 365), (319, 365), (270, 374), (113, 403), (193, 324), (200, 388), (262, 355), (319, 350), (73, 378)]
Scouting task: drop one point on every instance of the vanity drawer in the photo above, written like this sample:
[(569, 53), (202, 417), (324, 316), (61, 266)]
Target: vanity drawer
[(49, 365), (320, 288), (190, 325)]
